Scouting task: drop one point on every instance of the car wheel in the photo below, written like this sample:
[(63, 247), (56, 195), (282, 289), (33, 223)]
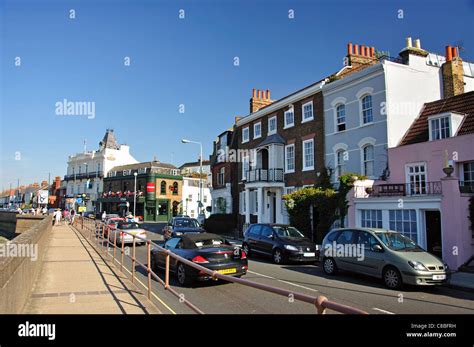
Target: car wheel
[(246, 249), (183, 275), (278, 256), (392, 278), (329, 266)]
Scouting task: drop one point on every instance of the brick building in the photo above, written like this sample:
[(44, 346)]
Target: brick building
[(280, 147)]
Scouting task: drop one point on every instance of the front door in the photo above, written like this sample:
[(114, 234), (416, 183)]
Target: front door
[(433, 233), (271, 211), (163, 211)]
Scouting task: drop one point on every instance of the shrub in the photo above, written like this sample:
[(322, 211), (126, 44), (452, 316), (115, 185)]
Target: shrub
[(326, 203)]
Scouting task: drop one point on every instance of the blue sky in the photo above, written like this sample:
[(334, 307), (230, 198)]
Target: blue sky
[(179, 61)]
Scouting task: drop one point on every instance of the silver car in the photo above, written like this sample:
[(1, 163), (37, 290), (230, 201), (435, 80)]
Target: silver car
[(125, 232), (381, 253)]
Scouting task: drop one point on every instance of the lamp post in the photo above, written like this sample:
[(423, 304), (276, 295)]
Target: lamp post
[(135, 195), (200, 172)]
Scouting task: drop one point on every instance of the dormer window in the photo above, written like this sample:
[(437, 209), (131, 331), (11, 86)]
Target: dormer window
[(442, 126), (439, 128)]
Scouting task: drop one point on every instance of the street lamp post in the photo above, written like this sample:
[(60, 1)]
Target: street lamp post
[(200, 172), (135, 195)]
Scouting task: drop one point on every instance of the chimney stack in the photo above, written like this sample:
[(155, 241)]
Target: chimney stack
[(360, 55), (453, 73), (260, 99)]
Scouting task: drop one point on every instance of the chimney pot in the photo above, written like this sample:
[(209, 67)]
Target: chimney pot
[(362, 50), (254, 93), (418, 43), (409, 42), (372, 52), (356, 49), (449, 53), (455, 52), (367, 51), (268, 94), (349, 48)]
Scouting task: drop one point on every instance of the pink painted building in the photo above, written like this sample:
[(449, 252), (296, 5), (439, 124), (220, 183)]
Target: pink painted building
[(421, 197)]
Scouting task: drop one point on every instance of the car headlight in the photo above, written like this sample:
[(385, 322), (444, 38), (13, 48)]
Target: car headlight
[(417, 266), (291, 248)]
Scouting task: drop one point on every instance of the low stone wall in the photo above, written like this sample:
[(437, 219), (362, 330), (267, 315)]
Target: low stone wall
[(18, 274)]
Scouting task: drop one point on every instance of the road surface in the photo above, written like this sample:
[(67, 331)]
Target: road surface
[(361, 292)]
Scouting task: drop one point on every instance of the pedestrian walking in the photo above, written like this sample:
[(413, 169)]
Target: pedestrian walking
[(104, 216), (73, 215), (57, 217)]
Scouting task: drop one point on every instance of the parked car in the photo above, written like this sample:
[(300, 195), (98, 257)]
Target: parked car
[(125, 231), (283, 243), (112, 224), (387, 254), (89, 214), (178, 226), (209, 250)]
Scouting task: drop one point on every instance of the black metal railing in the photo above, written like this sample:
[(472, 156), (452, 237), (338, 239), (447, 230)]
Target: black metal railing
[(84, 175), (265, 175), (404, 189)]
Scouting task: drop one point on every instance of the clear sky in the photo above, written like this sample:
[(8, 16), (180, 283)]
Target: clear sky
[(177, 61)]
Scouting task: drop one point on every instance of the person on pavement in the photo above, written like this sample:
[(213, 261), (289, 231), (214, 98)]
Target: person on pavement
[(57, 217)]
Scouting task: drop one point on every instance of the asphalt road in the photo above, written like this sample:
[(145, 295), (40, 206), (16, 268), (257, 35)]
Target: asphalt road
[(358, 291)]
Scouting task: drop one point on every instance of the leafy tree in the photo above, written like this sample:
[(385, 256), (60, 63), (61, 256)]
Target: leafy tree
[(313, 210)]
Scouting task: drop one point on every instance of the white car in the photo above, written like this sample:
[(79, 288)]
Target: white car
[(125, 232)]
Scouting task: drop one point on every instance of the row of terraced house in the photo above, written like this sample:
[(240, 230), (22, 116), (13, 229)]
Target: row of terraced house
[(406, 123)]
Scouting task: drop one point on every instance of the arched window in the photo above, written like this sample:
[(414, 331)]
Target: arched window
[(341, 117), (367, 115), (368, 160), (175, 188), (163, 188)]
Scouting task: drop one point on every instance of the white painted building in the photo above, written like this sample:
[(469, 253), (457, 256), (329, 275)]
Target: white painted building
[(370, 110), (191, 195), (86, 170)]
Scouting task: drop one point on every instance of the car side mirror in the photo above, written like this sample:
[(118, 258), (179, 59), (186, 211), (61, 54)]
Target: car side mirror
[(377, 248)]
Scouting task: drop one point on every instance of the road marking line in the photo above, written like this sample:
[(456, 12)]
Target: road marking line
[(146, 287), (283, 281), (380, 310)]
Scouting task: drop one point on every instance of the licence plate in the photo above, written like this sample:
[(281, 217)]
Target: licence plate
[(227, 271), (309, 254), (439, 277)]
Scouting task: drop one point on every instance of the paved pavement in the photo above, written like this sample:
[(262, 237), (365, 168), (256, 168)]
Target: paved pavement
[(358, 291), (76, 279)]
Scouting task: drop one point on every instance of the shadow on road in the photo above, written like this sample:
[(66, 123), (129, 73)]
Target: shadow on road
[(359, 279)]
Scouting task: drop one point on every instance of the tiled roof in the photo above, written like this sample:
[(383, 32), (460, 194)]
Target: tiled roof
[(463, 104)]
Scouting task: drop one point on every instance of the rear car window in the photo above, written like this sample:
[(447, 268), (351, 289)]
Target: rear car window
[(209, 243)]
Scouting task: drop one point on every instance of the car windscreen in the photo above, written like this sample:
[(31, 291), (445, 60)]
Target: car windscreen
[(209, 243), (398, 242), (128, 226), (283, 231), (186, 223)]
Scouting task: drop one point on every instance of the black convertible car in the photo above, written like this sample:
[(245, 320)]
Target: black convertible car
[(208, 250)]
